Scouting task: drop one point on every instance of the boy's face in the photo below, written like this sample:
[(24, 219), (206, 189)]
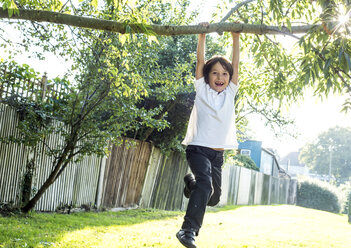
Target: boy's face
[(218, 77)]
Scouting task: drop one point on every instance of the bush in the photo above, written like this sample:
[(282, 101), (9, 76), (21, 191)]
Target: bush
[(344, 190), (245, 161), (318, 195)]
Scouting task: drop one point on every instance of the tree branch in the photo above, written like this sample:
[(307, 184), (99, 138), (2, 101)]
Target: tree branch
[(235, 8), (118, 27)]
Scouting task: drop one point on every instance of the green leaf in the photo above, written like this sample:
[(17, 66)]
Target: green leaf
[(326, 66), (316, 69), (10, 11), (152, 38), (94, 3), (122, 38), (128, 29), (347, 57), (11, 7), (341, 51), (313, 75), (288, 23), (131, 3), (307, 77), (329, 83)]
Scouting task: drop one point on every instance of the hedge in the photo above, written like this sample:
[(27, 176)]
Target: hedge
[(318, 195)]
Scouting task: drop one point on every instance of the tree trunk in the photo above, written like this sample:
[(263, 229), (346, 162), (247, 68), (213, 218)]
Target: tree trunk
[(32, 202), (60, 165), (27, 181), (107, 25)]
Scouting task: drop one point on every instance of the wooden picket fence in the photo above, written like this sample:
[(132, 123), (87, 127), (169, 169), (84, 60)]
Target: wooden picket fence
[(17, 81), (134, 174), (124, 173)]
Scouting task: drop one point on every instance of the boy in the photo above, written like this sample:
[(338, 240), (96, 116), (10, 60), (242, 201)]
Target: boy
[(211, 130)]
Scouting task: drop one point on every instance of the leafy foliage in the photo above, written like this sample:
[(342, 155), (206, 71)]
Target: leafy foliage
[(273, 73), (330, 148), (174, 92), (136, 85), (345, 190), (241, 160), (318, 195), (111, 77)]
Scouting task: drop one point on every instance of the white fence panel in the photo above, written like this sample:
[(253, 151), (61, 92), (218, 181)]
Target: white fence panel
[(244, 187)]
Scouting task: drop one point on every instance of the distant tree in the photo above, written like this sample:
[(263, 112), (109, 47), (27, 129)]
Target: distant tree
[(330, 151)]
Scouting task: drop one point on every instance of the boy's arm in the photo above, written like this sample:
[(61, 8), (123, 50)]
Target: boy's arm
[(235, 57), (200, 56)]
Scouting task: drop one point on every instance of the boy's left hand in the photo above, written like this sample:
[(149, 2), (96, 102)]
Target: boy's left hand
[(235, 34)]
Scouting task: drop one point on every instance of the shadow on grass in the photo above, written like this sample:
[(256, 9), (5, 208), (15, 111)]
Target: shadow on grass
[(44, 229), (224, 208)]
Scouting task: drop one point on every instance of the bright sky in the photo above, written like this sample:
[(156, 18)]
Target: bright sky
[(312, 116)]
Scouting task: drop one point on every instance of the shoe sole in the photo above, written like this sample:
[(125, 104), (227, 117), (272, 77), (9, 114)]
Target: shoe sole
[(186, 192), (186, 245), (187, 179)]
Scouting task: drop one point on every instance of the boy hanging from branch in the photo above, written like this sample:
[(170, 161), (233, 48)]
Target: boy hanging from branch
[(211, 130)]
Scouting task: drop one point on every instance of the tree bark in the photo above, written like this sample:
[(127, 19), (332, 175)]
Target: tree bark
[(59, 166), (113, 26), (32, 202)]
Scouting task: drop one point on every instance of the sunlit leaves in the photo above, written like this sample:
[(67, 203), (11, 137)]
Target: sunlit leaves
[(40, 4), (269, 70), (152, 38), (325, 61), (10, 6), (322, 61), (94, 3)]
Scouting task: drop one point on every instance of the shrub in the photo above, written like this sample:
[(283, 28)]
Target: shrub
[(345, 190), (245, 161), (318, 195)]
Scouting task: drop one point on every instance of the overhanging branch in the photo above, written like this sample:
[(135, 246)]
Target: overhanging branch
[(100, 24), (235, 9)]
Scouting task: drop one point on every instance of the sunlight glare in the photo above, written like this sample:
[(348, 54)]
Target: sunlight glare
[(343, 19), (344, 15)]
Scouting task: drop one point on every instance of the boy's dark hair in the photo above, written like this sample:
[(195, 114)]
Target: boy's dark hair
[(214, 60)]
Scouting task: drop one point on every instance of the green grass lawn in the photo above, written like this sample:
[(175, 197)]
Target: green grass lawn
[(249, 226)]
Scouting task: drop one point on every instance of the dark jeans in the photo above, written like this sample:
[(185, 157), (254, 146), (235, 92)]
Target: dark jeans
[(206, 165)]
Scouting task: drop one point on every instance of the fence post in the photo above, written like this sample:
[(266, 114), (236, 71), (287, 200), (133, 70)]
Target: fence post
[(349, 208), (43, 84), (2, 83)]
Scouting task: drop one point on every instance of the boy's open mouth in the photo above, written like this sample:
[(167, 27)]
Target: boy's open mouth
[(219, 84)]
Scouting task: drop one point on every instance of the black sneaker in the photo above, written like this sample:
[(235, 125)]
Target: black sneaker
[(187, 238), (189, 181)]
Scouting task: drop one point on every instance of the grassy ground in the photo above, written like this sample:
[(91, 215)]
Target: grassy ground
[(252, 226)]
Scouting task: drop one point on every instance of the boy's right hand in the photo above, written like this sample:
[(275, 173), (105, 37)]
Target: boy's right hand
[(204, 24)]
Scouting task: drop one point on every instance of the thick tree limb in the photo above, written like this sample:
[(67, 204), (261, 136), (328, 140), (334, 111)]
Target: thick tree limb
[(100, 24)]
